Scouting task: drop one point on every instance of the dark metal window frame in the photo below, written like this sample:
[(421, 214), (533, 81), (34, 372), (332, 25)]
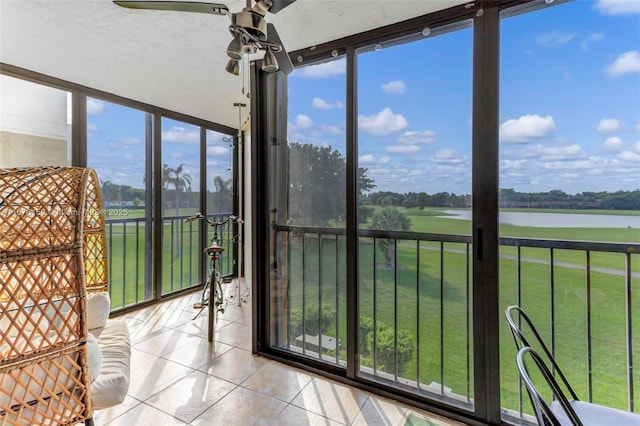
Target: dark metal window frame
[(269, 108), (79, 93)]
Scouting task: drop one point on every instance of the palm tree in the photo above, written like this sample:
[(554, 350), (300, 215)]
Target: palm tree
[(179, 180), (390, 219), (110, 192)]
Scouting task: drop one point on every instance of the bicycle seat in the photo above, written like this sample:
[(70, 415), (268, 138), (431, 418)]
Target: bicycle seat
[(214, 248)]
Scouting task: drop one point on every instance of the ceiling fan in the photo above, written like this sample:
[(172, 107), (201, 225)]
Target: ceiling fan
[(249, 29)]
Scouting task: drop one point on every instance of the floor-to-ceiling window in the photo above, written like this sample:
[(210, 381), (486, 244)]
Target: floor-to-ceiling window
[(118, 147), (309, 212), (180, 177), (414, 157), (219, 180), (500, 92), (570, 171)]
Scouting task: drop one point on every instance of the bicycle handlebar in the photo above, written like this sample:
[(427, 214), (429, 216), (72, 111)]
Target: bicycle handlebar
[(198, 216)]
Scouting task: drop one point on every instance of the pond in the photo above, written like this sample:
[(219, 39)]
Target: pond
[(557, 220)]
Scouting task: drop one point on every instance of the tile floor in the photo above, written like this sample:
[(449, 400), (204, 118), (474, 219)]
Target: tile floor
[(179, 378)]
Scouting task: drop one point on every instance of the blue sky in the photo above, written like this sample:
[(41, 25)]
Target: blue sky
[(569, 104), (569, 109), (116, 147)]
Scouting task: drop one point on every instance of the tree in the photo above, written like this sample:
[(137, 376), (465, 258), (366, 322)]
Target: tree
[(390, 219), (317, 184), (388, 355), (222, 198), (110, 193), (311, 325), (179, 180)]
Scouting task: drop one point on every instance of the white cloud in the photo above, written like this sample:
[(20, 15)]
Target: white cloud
[(412, 137), (554, 38), (608, 125), (568, 165), (403, 149), (370, 159), (303, 121), (519, 164), (383, 123), (94, 106), (636, 146), (629, 156), (324, 70), (182, 135), (618, 7), (320, 103), (448, 156), (613, 144), (625, 63), (394, 87), (334, 129), (526, 128), (124, 143), (593, 38), (554, 153), (217, 150)]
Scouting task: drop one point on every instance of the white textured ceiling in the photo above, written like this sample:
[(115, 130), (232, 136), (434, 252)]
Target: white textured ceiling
[(174, 60)]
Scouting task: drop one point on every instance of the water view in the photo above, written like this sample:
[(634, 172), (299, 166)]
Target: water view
[(557, 220)]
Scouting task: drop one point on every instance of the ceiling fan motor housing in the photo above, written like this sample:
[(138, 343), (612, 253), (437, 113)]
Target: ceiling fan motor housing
[(253, 22)]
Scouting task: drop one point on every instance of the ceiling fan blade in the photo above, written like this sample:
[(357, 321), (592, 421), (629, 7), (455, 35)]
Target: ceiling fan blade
[(284, 61), (180, 6), (278, 5)]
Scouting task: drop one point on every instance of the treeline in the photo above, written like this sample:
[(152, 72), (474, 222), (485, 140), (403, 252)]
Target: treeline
[(417, 199), (509, 198)]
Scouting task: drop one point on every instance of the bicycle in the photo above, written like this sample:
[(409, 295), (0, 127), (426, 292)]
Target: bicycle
[(215, 301)]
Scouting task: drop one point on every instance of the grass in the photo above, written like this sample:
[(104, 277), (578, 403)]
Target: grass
[(432, 303), (438, 308)]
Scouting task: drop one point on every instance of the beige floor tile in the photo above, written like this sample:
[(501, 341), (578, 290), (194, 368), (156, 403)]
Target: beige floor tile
[(383, 411), (145, 415), (166, 342), (200, 325), (189, 397), (295, 416), (380, 412), (233, 334), (198, 352), (241, 407), (278, 381), (236, 313), (331, 399), (104, 416), (141, 359), (236, 365), (159, 374), (246, 345), (141, 331)]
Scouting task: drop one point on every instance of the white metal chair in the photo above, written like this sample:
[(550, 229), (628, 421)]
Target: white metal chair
[(561, 410)]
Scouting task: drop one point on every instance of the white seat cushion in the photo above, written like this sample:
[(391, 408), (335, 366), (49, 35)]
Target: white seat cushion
[(596, 415), (111, 385), (98, 310)]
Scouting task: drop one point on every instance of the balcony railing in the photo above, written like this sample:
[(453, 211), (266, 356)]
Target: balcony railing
[(415, 310), (130, 257)]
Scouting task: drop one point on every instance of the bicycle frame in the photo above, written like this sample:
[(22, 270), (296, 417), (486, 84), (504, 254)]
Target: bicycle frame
[(213, 282)]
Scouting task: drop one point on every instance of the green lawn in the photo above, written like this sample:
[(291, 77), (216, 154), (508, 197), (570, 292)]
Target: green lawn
[(429, 303), (436, 300)]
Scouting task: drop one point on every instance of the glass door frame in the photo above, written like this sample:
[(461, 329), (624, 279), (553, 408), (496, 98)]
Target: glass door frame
[(269, 118)]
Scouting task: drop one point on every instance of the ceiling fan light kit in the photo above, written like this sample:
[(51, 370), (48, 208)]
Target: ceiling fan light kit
[(249, 29), (233, 66)]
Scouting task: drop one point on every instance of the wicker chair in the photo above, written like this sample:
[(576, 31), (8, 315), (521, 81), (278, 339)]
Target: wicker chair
[(52, 252)]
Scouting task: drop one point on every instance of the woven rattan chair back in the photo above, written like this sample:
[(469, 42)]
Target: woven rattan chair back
[(52, 246)]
